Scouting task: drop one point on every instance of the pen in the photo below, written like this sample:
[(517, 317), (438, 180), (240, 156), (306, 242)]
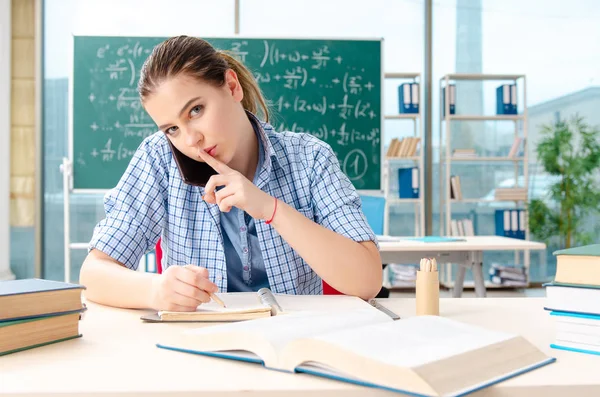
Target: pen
[(217, 299)]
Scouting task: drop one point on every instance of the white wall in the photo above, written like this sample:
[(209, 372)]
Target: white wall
[(5, 38)]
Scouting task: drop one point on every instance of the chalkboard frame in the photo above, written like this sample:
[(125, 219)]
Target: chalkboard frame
[(71, 52)]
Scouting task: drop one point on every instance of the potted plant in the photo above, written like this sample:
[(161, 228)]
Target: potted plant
[(569, 150)]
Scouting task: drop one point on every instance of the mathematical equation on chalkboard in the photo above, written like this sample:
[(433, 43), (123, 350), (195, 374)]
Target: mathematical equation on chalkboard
[(324, 88)]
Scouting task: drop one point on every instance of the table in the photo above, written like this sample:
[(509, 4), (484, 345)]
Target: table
[(467, 254), (117, 356)]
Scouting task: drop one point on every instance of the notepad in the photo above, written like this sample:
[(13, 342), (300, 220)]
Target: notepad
[(240, 306), (424, 356)]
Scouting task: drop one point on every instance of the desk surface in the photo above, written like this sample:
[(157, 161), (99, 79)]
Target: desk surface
[(117, 356), (471, 243)]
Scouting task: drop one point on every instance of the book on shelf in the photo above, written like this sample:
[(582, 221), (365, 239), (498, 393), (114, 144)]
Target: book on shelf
[(515, 149), (464, 153), (455, 188), (510, 194), (406, 147), (462, 227), (435, 356)]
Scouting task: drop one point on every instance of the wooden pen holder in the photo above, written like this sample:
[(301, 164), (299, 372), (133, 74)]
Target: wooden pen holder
[(428, 293)]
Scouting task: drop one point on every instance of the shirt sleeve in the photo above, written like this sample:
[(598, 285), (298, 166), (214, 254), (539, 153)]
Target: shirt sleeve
[(135, 209), (336, 204)]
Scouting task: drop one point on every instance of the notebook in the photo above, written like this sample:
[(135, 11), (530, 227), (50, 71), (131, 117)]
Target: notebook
[(422, 356), (252, 305), (27, 298)]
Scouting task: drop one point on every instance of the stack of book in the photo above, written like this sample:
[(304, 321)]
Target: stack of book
[(462, 227), (400, 276), (573, 299), (464, 153), (511, 194), (406, 147), (36, 312), (509, 276)]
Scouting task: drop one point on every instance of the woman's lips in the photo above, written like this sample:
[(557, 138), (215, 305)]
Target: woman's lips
[(211, 150)]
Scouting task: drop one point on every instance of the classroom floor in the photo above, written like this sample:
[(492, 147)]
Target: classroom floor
[(469, 293)]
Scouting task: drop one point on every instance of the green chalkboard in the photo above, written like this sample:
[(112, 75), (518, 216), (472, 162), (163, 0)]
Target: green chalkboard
[(329, 88)]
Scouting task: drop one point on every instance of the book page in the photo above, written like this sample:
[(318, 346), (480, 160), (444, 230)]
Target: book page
[(320, 303), (282, 329), (414, 341)]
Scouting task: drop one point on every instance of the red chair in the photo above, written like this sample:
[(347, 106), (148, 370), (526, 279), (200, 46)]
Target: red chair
[(158, 257), (327, 290)]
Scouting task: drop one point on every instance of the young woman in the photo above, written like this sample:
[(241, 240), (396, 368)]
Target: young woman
[(277, 210)]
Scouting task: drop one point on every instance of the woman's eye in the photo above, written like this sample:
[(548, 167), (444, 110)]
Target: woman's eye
[(196, 110), (171, 130)]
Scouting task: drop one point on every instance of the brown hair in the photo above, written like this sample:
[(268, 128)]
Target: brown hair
[(197, 58)]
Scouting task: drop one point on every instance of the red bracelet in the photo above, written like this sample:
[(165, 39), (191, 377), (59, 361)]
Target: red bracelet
[(274, 210)]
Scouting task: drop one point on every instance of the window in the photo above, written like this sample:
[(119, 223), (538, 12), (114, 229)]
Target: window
[(555, 44)]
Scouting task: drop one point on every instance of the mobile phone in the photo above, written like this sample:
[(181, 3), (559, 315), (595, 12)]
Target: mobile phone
[(195, 173)]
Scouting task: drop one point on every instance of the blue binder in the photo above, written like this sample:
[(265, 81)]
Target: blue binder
[(506, 99), (452, 100), (510, 223), (408, 182), (408, 98)]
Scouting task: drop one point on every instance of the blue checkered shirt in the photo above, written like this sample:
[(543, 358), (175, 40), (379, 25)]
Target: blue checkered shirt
[(152, 201)]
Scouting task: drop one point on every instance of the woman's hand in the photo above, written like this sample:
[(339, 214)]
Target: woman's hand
[(237, 191), (181, 288)]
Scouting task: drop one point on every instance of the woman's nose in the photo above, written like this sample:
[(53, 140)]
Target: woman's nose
[(193, 137)]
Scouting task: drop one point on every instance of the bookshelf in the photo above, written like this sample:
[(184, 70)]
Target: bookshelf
[(451, 191), (409, 153)]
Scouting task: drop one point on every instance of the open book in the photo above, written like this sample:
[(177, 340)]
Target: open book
[(425, 356), (252, 305)]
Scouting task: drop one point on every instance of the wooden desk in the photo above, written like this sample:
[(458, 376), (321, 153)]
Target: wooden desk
[(117, 357), (468, 254)]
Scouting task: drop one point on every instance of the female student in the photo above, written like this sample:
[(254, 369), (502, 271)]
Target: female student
[(276, 211)]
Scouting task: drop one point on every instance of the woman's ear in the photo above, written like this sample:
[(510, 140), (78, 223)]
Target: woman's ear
[(233, 85)]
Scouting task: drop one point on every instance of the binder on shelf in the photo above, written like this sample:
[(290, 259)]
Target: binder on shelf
[(510, 223), (451, 100), (415, 97), (408, 98), (408, 182), (506, 99)]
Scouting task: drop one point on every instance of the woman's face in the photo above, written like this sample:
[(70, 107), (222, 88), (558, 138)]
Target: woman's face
[(196, 115)]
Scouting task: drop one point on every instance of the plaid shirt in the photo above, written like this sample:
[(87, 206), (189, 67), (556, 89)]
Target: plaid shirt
[(151, 200)]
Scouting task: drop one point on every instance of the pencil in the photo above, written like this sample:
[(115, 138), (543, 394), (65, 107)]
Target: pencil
[(217, 299)]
